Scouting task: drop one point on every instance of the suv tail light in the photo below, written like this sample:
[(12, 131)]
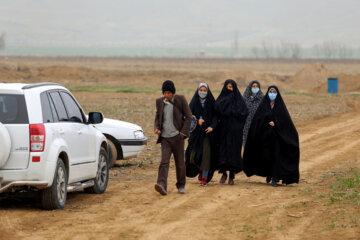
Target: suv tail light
[(37, 137)]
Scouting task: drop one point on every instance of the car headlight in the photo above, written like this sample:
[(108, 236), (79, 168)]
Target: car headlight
[(139, 134)]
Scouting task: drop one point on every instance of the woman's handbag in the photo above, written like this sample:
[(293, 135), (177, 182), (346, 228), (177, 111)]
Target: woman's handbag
[(194, 123)]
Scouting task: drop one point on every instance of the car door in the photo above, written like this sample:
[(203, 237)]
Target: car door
[(82, 137), (67, 132)]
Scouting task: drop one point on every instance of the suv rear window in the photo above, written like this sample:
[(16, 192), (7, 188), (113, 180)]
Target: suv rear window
[(13, 109), (59, 105), (46, 108)]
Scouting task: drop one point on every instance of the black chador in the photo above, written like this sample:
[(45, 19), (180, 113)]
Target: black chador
[(272, 151), (201, 154), (232, 113)]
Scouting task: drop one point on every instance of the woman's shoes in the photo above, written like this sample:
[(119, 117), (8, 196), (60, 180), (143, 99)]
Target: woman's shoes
[(268, 179), (203, 182), (274, 182), (200, 176), (223, 179), (231, 181)]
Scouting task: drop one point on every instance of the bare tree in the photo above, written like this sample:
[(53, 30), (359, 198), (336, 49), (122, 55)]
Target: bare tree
[(331, 49), (344, 51), (255, 51), (283, 50), (327, 50), (235, 45), (267, 49), (2, 40), (295, 50), (288, 50), (317, 51)]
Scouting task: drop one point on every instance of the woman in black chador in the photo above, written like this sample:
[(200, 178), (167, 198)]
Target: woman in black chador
[(200, 153), (232, 113), (272, 147)]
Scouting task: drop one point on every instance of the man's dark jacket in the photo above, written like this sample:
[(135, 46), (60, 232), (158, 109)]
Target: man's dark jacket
[(181, 118)]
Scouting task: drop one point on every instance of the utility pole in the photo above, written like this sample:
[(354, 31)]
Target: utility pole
[(2, 40), (235, 45)]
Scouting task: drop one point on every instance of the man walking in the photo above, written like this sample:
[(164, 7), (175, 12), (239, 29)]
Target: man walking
[(172, 123)]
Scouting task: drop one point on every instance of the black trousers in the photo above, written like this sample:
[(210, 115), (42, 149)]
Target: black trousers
[(173, 145)]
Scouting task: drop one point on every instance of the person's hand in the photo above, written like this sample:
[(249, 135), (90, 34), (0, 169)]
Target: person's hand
[(209, 130), (157, 131), (272, 123), (201, 121)]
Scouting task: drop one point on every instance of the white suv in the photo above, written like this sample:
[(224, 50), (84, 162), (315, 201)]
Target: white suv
[(48, 145)]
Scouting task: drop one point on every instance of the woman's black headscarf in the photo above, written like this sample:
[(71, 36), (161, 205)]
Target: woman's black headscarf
[(272, 151), (196, 138), (231, 102), (207, 111), (232, 112)]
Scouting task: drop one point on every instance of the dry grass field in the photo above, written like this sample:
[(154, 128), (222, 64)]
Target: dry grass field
[(324, 205)]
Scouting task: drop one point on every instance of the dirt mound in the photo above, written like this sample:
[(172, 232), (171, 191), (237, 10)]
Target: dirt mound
[(310, 78), (243, 77), (349, 83)]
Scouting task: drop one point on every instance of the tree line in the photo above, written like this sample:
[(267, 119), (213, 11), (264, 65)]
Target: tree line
[(327, 49)]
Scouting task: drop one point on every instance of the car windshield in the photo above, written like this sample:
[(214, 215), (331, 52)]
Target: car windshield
[(13, 109)]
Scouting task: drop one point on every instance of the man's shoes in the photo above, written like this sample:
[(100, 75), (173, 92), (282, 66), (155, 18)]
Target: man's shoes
[(268, 179), (223, 179), (200, 176), (203, 182), (231, 181), (181, 190), (160, 189)]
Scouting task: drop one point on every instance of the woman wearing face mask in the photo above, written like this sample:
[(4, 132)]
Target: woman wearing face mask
[(252, 97), (272, 147), (200, 153), (232, 113)]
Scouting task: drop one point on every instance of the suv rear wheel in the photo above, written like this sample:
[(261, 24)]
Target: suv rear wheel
[(55, 196), (102, 175)]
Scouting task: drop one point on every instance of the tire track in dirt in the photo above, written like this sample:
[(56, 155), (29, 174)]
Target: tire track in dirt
[(341, 134), (133, 210), (326, 125), (336, 139)]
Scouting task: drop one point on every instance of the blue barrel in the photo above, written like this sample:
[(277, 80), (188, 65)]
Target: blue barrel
[(333, 85)]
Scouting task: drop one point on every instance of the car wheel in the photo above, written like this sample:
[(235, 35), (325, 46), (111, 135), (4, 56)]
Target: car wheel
[(102, 176), (55, 196), (114, 151)]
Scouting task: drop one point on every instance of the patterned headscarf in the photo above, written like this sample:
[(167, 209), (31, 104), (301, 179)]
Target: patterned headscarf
[(203, 100), (248, 92), (203, 85)]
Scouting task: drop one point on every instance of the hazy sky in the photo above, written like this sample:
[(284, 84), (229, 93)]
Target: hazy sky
[(197, 23)]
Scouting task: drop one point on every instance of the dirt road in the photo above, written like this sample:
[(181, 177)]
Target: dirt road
[(250, 209)]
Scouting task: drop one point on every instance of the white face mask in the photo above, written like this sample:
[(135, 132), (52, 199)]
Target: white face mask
[(202, 94), (272, 96), (255, 90)]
